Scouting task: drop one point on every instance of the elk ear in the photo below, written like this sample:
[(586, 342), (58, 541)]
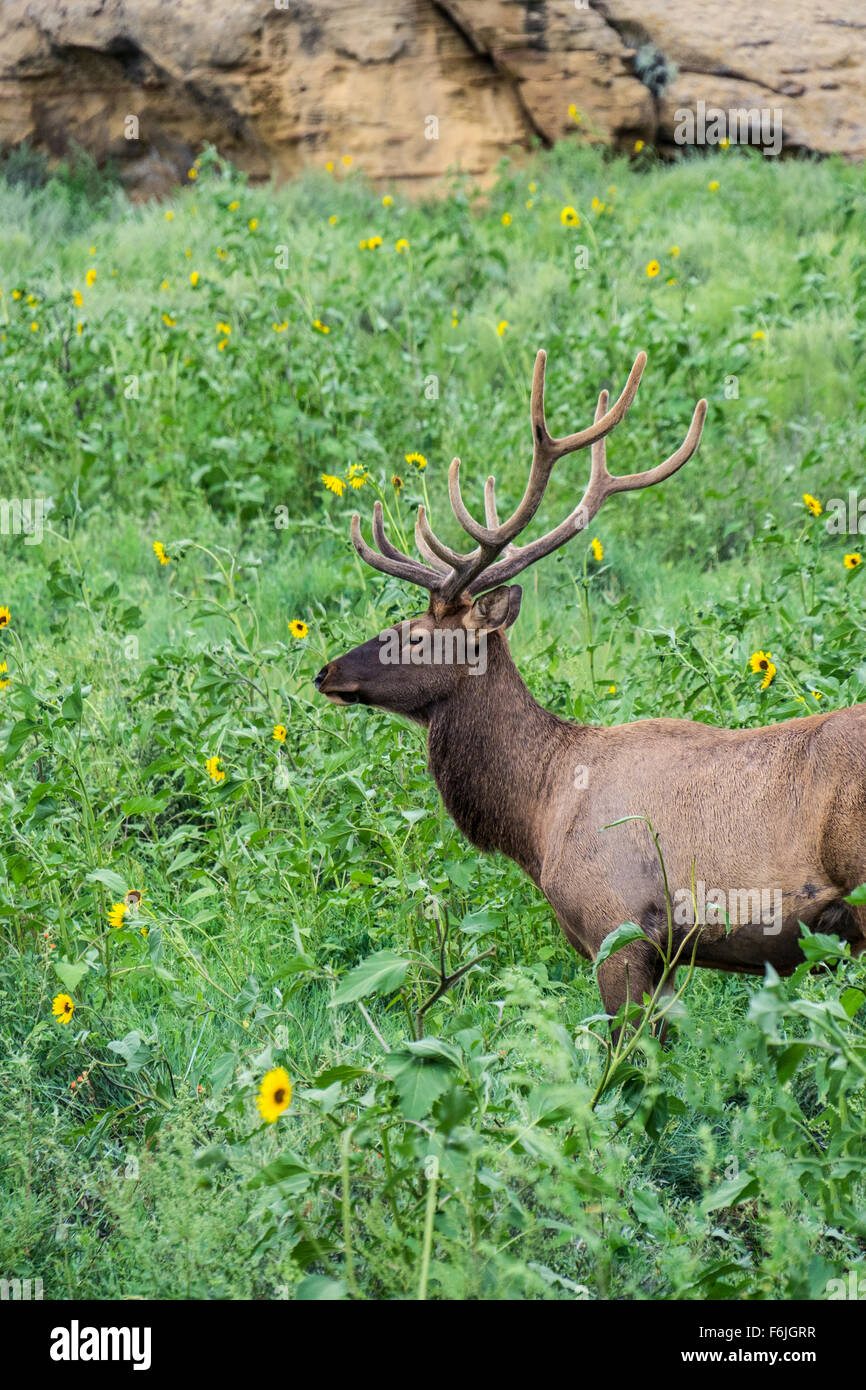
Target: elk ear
[(496, 609)]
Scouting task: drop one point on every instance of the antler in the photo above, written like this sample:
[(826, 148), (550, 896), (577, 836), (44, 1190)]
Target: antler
[(448, 573)]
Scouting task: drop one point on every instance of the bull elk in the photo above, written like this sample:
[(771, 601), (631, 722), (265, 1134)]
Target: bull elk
[(778, 809)]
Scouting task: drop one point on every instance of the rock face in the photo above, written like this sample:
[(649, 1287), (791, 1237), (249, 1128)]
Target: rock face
[(413, 88)]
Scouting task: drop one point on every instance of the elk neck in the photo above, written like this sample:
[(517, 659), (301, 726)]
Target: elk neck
[(495, 754)]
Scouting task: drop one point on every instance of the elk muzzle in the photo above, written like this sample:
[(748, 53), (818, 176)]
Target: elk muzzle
[(335, 686)]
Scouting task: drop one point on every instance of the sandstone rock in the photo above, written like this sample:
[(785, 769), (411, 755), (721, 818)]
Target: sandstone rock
[(410, 88), (761, 56)]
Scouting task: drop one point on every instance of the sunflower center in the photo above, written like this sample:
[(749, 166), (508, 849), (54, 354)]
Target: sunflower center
[(763, 665), (279, 1096)]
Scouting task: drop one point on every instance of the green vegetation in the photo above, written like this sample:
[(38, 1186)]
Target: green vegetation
[(165, 381)]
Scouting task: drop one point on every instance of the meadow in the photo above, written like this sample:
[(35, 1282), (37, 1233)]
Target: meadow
[(216, 886)]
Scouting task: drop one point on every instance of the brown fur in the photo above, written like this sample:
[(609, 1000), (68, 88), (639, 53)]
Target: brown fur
[(782, 807)]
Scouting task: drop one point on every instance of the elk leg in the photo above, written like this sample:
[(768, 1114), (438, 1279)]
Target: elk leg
[(668, 989), (628, 975)]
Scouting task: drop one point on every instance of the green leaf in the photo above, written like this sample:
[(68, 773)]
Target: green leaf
[(649, 1211), (615, 940), (19, 735), (434, 1047), (419, 1081), (288, 1166), (788, 1060), (113, 882), (858, 897), (143, 805), (296, 966), (731, 1192), (342, 1072), (378, 974), (818, 946), (319, 1287), (222, 1071), (461, 873), (70, 975), (482, 921), (72, 705), (132, 1049)]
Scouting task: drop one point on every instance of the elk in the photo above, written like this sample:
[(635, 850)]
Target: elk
[(779, 809)]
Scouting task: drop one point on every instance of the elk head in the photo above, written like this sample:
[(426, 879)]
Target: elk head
[(418, 664)]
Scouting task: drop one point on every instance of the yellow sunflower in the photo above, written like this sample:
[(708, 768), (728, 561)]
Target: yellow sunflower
[(763, 662), (569, 218), (214, 771), (280, 733), (62, 1008), (275, 1094), (812, 503), (597, 549), (116, 914), (298, 629), (853, 560)]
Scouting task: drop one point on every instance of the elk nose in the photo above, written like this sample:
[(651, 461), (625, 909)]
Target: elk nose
[(319, 680)]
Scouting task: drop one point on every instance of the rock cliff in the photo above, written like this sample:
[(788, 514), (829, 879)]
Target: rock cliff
[(412, 88)]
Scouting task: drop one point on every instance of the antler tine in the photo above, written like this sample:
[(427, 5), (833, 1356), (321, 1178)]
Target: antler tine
[(630, 482), (388, 550), (481, 534), (598, 453), (546, 450), (440, 556), (495, 559), (608, 420), (491, 515), (392, 562), (602, 485)]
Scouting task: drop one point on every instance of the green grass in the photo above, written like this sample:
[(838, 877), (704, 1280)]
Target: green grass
[(729, 1166)]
